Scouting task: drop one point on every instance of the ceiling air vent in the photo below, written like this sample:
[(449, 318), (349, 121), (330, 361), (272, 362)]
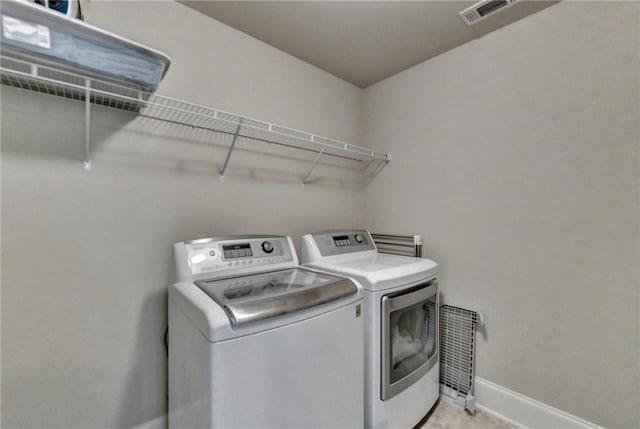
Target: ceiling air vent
[(481, 10)]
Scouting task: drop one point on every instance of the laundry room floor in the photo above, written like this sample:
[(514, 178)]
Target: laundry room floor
[(446, 415)]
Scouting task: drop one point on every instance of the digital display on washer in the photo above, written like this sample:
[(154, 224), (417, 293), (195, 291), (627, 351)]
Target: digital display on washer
[(341, 240), (237, 251)]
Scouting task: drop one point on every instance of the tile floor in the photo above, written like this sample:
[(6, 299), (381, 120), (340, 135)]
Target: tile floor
[(447, 415)]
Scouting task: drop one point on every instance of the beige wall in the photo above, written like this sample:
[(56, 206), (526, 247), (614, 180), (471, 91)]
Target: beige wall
[(524, 185), (516, 156), (86, 257)]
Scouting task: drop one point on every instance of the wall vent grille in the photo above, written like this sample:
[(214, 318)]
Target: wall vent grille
[(404, 245), (484, 9), (457, 354)]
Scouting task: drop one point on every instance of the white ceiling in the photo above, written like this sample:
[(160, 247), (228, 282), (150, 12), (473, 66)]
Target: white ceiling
[(361, 42)]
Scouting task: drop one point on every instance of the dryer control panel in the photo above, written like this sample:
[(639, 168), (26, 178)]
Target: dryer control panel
[(340, 242), (229, 256)]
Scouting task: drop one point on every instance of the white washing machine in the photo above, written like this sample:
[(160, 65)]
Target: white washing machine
[(257, 341), (401, 323)]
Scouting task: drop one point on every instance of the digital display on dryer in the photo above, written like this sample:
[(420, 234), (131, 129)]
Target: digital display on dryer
[(237, 251)]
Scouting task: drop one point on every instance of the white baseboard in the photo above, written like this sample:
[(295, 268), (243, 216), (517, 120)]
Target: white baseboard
[(523, 411), (517, 409), (157, 423)]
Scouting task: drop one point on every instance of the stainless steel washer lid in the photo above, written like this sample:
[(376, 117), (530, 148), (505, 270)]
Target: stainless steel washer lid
[(256, 297)]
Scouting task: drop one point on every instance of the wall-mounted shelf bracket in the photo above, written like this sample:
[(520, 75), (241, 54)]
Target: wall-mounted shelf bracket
[(382, 165), (305, 179), (87, 125), (233, 144)]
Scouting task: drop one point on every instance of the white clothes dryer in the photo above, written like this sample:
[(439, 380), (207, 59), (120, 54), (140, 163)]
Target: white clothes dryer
[(257, 341), (401, 323)]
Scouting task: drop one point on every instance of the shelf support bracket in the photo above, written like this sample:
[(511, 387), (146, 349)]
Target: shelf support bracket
[(233, 143), (305, 179), (87, 125), (379, 168)]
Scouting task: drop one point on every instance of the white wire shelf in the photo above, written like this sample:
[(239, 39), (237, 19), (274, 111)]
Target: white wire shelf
[(39, 78)]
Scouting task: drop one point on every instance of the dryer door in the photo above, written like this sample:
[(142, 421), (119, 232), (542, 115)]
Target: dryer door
[(409, 337)]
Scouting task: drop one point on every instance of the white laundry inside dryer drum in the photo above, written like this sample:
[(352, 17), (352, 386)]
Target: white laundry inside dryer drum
[(413, 338)]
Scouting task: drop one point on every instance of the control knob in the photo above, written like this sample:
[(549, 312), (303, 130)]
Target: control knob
[(267, 247), (359, 238)]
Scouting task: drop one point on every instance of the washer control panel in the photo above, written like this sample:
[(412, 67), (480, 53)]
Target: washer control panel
[(213, 255), (340, 242)]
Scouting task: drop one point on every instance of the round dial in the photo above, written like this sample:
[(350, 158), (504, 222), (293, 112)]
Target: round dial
[(359, 238), (267, 247)]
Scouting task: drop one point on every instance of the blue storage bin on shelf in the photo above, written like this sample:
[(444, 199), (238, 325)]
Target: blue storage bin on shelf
[(33, 33)]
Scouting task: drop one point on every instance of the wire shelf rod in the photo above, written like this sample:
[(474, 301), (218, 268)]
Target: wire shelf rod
[(231, 133), (190, 113), (54, 81)]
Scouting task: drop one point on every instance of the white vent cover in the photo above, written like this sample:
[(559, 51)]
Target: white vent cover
[(483, 9), (458, 354)]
